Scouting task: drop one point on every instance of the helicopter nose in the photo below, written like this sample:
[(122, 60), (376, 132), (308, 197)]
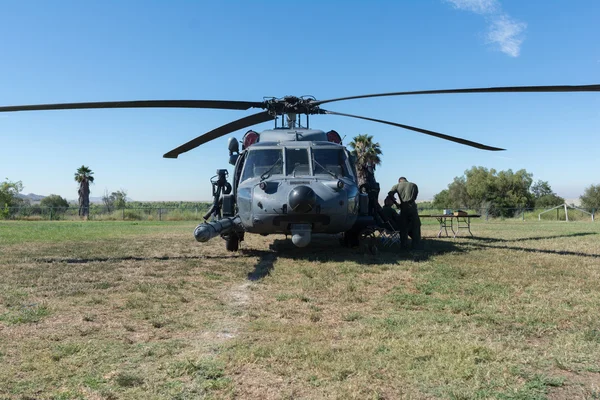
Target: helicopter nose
[(302, 199)]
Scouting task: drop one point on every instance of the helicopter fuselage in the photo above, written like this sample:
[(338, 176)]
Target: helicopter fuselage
[(294, 181)]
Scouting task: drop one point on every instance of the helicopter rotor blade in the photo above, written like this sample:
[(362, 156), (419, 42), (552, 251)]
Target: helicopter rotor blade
[(504, 89), (245, 122), (218, 104), (425, 131)]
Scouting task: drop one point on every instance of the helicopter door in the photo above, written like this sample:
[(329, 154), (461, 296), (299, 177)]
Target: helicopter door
[(238, 171)]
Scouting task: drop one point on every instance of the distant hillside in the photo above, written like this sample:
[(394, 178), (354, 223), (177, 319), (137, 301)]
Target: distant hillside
[(32, 197), (36, 198), (93, 200)]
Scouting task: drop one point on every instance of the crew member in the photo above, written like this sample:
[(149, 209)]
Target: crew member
[(409, 213), (390, 214)]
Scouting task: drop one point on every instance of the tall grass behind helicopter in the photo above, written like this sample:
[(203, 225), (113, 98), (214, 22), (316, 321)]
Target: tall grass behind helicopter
[(290, 179)]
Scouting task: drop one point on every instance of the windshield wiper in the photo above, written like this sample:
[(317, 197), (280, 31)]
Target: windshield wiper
[(325, 169), (265, 175)]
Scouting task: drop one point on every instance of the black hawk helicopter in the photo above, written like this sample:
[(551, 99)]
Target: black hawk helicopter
[(290, 179)]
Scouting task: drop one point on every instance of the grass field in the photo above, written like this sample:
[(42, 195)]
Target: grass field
[(139, 310)]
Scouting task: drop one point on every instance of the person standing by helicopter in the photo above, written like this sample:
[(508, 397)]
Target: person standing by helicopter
[(409, 213)]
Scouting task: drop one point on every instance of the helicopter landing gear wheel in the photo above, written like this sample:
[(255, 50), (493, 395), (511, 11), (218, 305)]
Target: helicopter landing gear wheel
[(369, 238), (232, 242)]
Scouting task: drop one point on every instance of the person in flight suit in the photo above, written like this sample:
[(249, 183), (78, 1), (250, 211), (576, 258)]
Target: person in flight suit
[(409, 213), (390, 214)]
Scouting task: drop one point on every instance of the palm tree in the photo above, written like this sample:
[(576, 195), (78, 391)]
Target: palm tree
[(366, 154), (84, 176)]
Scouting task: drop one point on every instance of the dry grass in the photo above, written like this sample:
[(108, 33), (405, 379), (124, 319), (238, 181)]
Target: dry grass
[(124, 310)]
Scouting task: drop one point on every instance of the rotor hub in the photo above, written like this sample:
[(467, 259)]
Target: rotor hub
[(291, 105)]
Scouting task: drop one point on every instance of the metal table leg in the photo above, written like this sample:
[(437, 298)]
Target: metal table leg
[(465, 220), (443, 225)]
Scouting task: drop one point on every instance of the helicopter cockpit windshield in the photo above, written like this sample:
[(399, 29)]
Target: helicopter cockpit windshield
[(330, 161), (296, 162), (263, 161)]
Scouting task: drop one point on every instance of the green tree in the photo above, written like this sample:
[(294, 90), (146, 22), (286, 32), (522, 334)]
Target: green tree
[(115, 200), (543, 195), (549, 201), (120, 198), (590, 198), (9, 192), (500, 192), (367, 156), (480, 184), (541, 188), (84, 176), (108, 201), (442, 199), (54, 201), (511, 191), (458, 194)]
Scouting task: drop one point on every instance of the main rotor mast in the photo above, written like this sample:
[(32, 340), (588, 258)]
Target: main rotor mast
[(291, 108)]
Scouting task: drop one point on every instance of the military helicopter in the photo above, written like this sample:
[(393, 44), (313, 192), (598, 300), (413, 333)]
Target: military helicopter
[(290, 179)]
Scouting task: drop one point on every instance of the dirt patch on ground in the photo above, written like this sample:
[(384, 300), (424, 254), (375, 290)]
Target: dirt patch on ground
[(237, 298), (254, 382), (581, 385)]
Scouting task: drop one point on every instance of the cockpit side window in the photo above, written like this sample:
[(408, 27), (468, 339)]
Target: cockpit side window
[(330, 161), (263, 161), (296, 162)]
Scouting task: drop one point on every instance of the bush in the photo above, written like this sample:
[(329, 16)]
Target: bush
[(54, 201), (131, 215), (591, 197), (4, 212)]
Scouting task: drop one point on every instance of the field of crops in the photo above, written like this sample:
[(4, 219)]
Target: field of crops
[(139, 310)]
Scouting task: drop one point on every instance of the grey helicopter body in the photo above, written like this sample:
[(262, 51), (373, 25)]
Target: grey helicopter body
[(291, 179)]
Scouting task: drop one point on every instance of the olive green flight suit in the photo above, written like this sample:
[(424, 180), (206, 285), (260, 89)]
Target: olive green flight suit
[(409, 213), (392, 216)]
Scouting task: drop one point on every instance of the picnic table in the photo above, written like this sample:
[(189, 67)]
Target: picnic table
[(454, 222)]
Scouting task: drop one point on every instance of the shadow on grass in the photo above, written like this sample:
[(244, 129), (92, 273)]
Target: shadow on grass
[(481, 243), (492, 240), (265, 264), (133, 258), (482, 246), (328, 248)]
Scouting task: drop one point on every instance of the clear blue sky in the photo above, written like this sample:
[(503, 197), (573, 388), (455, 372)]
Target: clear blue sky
[(68, 51)]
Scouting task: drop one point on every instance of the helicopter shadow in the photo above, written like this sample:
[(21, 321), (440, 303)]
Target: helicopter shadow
[(484, 246), (499, 240), (264, 265), (327, 248), (87, 260)]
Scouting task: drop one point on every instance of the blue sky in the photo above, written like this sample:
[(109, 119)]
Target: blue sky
[(69, 51)]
